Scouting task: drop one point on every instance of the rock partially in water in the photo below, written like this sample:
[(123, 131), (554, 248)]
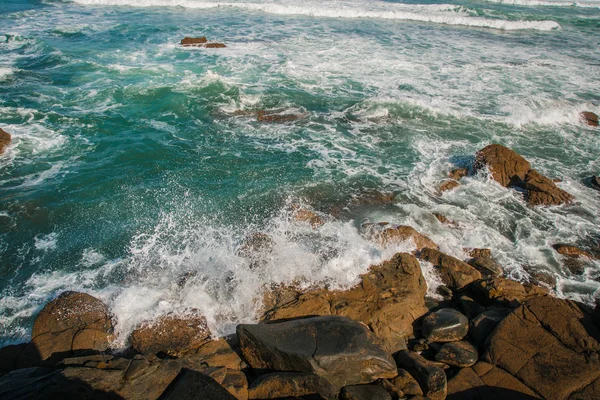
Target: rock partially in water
[(303, 215), (72, 321), (338, 349), (171, 334), (455, 273), (389, 298), (458, 173), (541, 191), (478, 253), (431, 378), (487, 266), (551, 345), (448, 185), (276, 385), (215, 45), (589, 118), (506, 166), (364, 392), (386, 234), (571, 251), (460, 354), (5, 139), (445, 325), (444, 220)]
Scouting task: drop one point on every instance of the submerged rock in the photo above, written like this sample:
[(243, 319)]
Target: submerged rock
[(455, 273), (303, 215), (589, 118), (277, 117), (5, 139), (338, 349), (506, 166), (431, 377), (388, 299), (170, 334), (551, 345), (386, 234), (478, 253), (73, 321), (445, 325), (458, 354), (542, 191)]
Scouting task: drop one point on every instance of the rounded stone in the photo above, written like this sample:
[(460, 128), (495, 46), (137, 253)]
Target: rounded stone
[(458, 354), (445, 325)]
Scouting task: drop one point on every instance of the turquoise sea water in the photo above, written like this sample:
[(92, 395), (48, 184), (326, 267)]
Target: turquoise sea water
[(130, 168)]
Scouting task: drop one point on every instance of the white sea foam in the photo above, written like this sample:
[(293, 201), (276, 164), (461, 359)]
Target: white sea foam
[(550, 3), (46, 242), (441, 14)]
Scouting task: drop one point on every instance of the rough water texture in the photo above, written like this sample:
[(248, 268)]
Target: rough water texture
[(137, 167)]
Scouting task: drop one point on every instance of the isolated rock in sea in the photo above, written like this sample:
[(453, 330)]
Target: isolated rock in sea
[(389, 298), (551, 345), (506, 166), (448, 184), (431, 378), (215, 45), (505, 291), (458, 354), (458, 173), (190, 41), (444, 220), (484, 381), (277, 385), (170, 334), (364, 392), (455, 273), (338, 349), (487, 266), (5, 139), (542, 191), (589, 118), (571, 251), (445, 325), (72, 321)]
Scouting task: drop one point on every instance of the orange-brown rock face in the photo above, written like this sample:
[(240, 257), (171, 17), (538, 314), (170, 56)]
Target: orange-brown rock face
[(507, 167)]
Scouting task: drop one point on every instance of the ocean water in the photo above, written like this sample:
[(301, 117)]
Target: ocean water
[(132, 177)]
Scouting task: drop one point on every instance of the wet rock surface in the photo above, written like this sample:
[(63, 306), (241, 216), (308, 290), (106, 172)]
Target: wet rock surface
[(487, 266), (589, 118), (338, 349), (506, 166), (445, 325), (431, 378), (455, 273), (5, 139), (542, 191)]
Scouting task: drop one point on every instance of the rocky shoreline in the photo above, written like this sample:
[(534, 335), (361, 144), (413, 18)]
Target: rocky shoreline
[(489, 337)]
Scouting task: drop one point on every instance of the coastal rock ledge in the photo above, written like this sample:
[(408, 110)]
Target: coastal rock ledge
[(491, 339)]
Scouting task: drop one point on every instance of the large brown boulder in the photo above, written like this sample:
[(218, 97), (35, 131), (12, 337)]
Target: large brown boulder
[(551, 345), (484, 381), (507, 167), (431, 377), (171, 334), (73, 321), (541, 191), (571, 251), (278, 385), (455, 273), (338, 349), (388, 299), (4, 140), (191, 41)]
